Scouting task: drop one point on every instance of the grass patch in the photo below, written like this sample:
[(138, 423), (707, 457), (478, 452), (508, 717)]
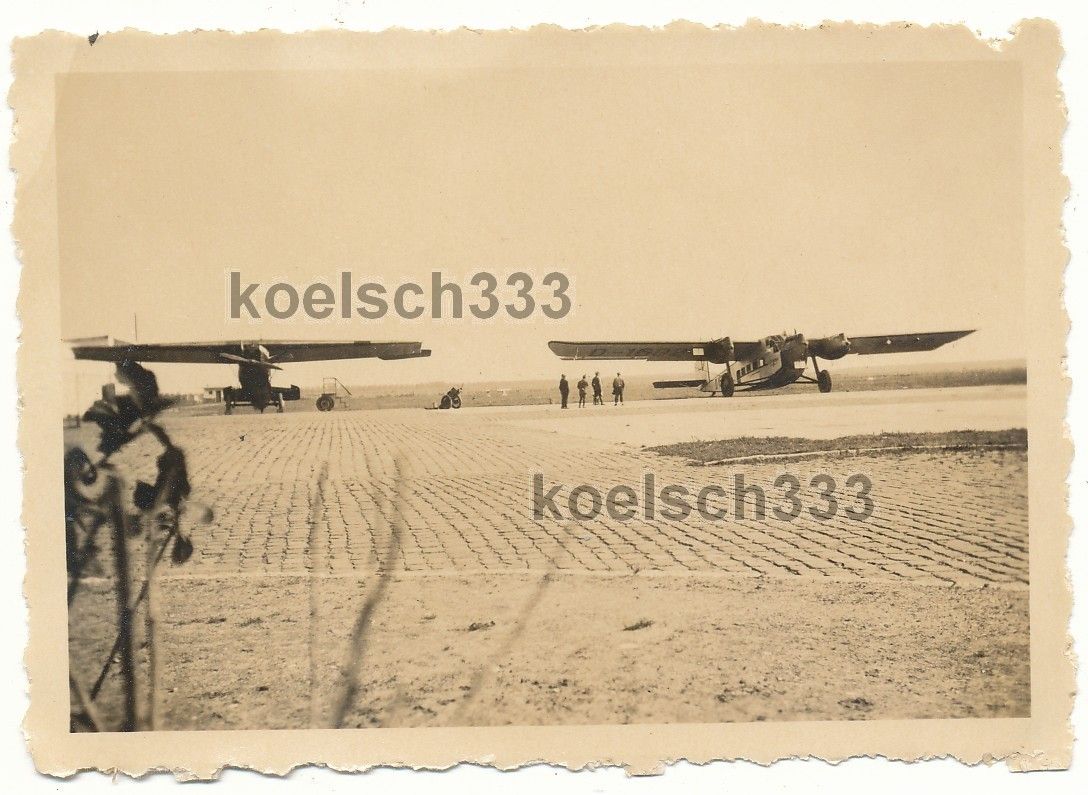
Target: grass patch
[(704, 452)]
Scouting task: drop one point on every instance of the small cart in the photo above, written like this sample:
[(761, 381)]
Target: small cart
[(332, 393)]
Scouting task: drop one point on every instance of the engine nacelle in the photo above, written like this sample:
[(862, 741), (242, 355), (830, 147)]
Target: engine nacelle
[(719, 351), (829, 347)]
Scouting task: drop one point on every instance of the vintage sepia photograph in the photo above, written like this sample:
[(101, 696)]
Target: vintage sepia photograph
[(634, 378)]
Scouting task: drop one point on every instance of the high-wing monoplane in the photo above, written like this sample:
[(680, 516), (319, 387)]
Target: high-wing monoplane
[(255, 361), (771, 362)]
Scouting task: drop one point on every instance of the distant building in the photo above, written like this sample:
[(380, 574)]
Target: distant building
[(213, 394)]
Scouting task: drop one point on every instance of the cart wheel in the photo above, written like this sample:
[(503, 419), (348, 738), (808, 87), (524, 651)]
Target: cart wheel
[(325, 403), (445, 403), (456, 402)]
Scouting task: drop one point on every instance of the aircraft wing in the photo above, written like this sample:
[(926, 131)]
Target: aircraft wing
[(650, 351), (324, 351), (904, 343), (226, 352), (183, 352), (714, 351)]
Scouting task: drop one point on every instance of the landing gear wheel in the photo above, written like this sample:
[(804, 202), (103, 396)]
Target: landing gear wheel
[(446, 403), (325, 403), (456, 402), (823, 380), (727, 385)]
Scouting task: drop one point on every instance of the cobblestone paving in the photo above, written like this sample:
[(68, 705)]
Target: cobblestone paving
[(316, 492)]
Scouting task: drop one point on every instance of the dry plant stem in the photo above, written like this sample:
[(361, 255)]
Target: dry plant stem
[(353, 663), (317, 504), (118, 640), (479, 677), (86, 703), (124, 605), (150, 722), (76, 577)]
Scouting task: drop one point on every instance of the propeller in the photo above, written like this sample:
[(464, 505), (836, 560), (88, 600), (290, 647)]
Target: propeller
[(230, 357)]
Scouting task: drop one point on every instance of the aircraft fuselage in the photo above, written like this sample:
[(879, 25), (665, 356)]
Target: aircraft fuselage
[(255, 383), (779, 362)]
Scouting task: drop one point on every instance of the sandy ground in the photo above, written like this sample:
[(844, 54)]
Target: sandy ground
[(551, 651), (492, 617), (801, 414)]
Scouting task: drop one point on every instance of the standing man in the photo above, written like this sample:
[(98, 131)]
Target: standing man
[(564, 389), (617, 390), (598, 398), (582, 391)]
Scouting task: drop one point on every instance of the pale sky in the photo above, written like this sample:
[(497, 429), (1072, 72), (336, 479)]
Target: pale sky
[(735, 200)]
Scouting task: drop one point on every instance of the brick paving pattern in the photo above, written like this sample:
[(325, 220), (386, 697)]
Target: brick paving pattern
[(312, 492)]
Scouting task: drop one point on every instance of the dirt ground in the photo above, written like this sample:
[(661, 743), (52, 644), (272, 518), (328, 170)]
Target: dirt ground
[(578, 649), (489, 616)]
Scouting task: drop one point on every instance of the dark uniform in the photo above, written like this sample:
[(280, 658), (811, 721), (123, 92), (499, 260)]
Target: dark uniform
[(564, 389), (598, 398), (582, 391), (617, 389)]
